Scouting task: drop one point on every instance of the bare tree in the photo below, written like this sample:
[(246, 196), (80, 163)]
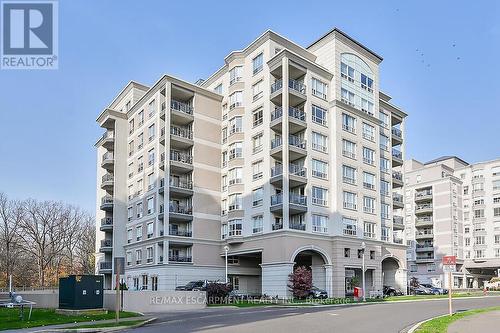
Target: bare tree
[(85, 250), (11, 215)]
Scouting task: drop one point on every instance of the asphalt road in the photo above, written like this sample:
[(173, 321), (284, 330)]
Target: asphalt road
[(380, 318)]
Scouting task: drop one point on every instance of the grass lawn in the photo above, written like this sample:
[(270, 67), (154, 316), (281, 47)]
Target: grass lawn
[(9, 318), (440, 325), (126, 323)]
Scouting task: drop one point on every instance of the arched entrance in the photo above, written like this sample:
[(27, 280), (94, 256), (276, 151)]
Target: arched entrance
[(391, 271), (319, 262)]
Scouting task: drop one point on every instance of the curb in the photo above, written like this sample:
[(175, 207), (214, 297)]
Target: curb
[(417, 325), (93, 330)]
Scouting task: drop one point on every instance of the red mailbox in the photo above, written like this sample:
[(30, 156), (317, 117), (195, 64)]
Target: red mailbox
[(357, 292)]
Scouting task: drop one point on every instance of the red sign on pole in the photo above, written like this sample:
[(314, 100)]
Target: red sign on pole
[(449, 260)]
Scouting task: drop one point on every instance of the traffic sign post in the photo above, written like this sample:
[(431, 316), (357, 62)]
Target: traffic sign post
[(119, 266), (450, 266)]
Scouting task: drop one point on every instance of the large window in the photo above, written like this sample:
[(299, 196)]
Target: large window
[(367, 106), (257, 143), (235, 227), (319, 115), (348, 174), (347, 72), (235, 99), (235, 125), (257, 170), (257, 224), (258, 63), (384, 142), (369, 205), (235, 74), (384, 211), (257, 196), (319, 169), (235, 176), (384, 188), (319, 142), (366, 83), (368, 180), (368, 132), (349, 226), (319, 223), (257, 90), (385, 165), (350, 200), (347, 97), (369, 230), (319, 88), (319, 196), (348, 149), (235, 150), (235, 201), (368, 156), (348, 123), (257, 117)]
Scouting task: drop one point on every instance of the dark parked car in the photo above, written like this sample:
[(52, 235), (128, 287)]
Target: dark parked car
[(435, 290), (391, 291), (193, 285), (420, 290), (315, 292)]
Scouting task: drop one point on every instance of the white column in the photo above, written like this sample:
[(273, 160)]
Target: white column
[(329, 279)]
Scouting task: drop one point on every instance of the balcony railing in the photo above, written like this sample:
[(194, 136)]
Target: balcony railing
[(276, 170), (298, 199), (423, 207), (424, 246), (424, 257), (350, 232), (107, 178), (292, 112), (107, 157), (181, 183), (297, 170), (397, 240), (181, 106), (397, 132), (276, 142), (107, 200), (180, 258), (106, 221), (396, 197), (397, 154), (177, 156), (181, 233), (105, 265), (397, 175), (277, 226), (297, 142), (277, 85), (180, 209), (108, 135), (106, 243), (276, 199), (292, 84), (397, 219), (181, 132), (421, 194), (298, 226)]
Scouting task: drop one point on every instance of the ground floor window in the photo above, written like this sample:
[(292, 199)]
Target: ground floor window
[(136, 283), (154, 283), (235, 282), (144, 282)]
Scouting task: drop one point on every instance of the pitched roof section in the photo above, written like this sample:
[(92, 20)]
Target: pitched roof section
[(444, 158)]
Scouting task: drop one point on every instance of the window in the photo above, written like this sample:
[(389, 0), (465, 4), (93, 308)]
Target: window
[(349, 174), (140, 116), (319, 142), (138, 233), (235, 227), (130, 148), (384, 119), (257, 90), (140, 186), (151, 181), (149, 254), (479, 254), (496, 200), (319, 223), (319, 169), (149, 229), (384, 234), (129, 236), (218, 89), (431, 267), (144, 282), (151, 157), (319, 196), (151, 205), (366, 83), (367, 106), (349, 226), (496, 185), (257, 116), (139, 210), (319, 115), (129, 258), (384, 211), (131, 126), (258, 63), (496, 211), (348, 149), (235, 176), (479, 240), (224, 158), (151, 132), (319, 88), (368, 181), (257, 144), (384, 142), (478, 213), (368, 156), (235, 125), (154, 283), (350, 200), (368, 132), (369, 230), (235, 74), (348, 123), (347, 252), (384, 188), (235, 99), (224, 207), (385, 165), (140, 141), (372, 255), (130, 213), (467, 241), (257, 224), (369, 205), (257, 170), (346, 72), (140, 165), (347, 97), (235, 150), (234, 201), (257, 196), (233, 260), (138, 257)]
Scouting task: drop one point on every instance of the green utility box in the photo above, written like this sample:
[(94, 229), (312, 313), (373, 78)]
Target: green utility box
[(79, 292)]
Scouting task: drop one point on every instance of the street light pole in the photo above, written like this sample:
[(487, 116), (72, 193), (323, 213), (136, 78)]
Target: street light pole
[(226, 249), (363, 247)]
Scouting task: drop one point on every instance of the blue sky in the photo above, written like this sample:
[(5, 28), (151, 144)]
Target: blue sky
[(449, 87)]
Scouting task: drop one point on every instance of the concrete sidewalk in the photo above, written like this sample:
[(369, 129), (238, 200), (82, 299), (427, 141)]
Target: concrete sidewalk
[(482, 322), (71, 325)]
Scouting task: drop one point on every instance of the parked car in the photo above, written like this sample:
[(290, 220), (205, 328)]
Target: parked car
[(420, 290), (435, 290), (391, 291), (192, 285), (315, 292)]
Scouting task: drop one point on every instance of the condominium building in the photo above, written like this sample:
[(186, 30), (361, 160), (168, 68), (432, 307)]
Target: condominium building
[(287, 155), (453, 208)]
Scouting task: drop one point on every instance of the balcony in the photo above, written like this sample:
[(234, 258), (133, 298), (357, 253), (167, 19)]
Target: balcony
[(426, 247), (423, 209), (181, 187), (398, 223), (298, 226), (108, 140), (426, 234), (397, 158), (162, 161), (297, 175), (105, 267), (181, 112), (425, 195), (297, 203), (296, 119), (180, 259), (181, 137), (108, 161), (297, 147), (277, 226), (397, 240), (106, 246), (297, 91), (107, 203), (180, 233), (180, 162), (424, 221), (106, 224), (180, 212), (424, 259), (161, 212), (397, 136), (397, 179), (107, 182), (397, 200), (161, 188), (162, 111)]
